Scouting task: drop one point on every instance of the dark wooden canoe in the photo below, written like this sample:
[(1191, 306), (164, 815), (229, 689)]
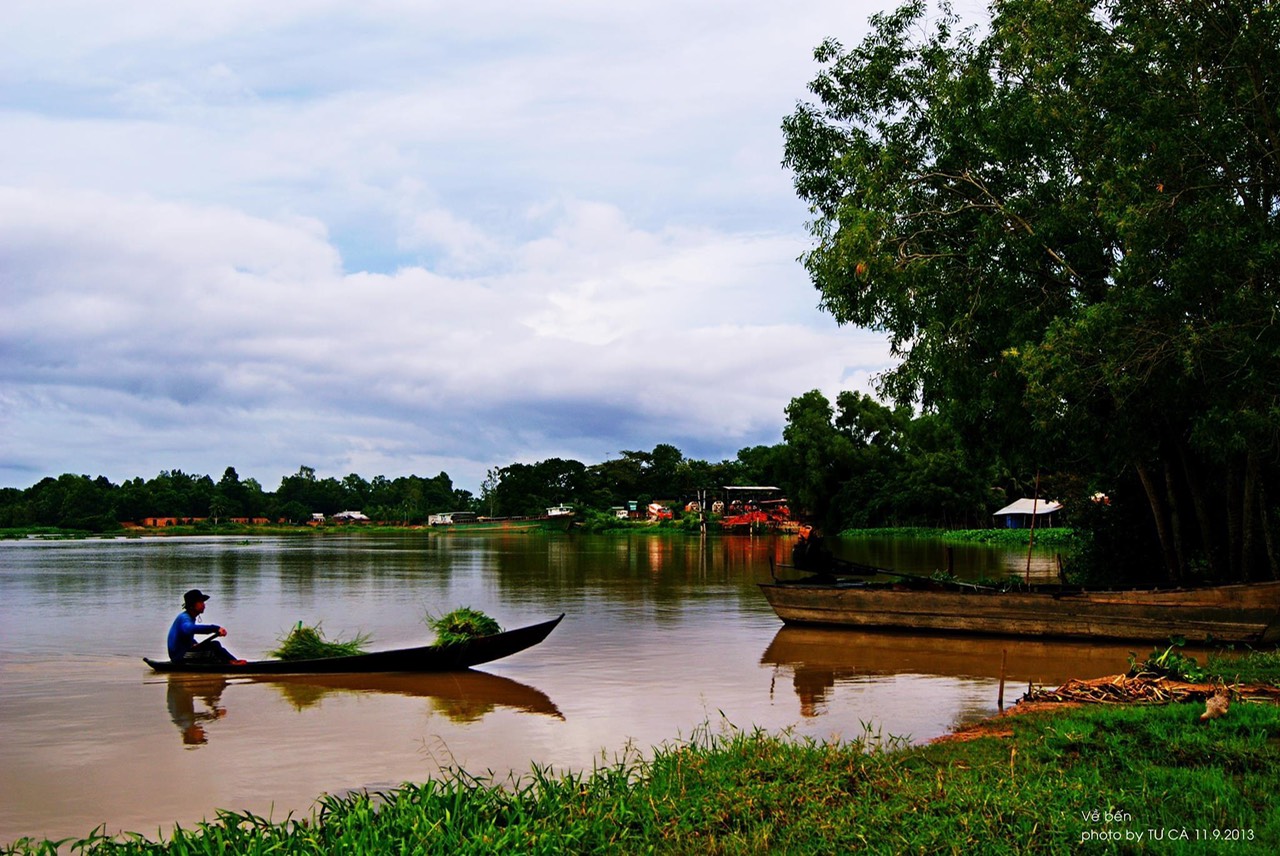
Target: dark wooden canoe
[(1230, 613), (429, 658)]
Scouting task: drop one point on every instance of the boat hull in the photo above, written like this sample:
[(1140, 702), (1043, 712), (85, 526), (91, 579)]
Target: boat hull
[(1235, 613), (430, 658)]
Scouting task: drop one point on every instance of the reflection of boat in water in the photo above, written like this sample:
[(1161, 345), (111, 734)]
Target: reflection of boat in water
[(428, 658), (821, 657), (462, 696), (869, 652), (194, 701)]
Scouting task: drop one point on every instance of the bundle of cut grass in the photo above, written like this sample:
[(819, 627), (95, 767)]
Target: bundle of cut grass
[(308, 643), (462, 625)]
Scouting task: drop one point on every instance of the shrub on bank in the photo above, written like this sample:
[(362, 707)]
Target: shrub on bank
[(1057, 536)]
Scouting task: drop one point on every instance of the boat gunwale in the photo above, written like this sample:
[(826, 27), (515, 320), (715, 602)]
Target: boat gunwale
[(1237, 612)]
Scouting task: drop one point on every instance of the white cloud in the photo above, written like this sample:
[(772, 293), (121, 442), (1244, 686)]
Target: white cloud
[(400, 237)]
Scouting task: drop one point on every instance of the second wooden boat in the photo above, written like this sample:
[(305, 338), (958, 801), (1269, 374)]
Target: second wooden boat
[(1229, 614)]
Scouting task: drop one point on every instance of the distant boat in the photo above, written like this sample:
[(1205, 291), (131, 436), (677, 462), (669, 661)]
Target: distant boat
[(557, 519), (755, 509), (1244, 613)]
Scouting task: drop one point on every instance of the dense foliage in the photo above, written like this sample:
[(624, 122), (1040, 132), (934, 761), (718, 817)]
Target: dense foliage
[(1067, 223)]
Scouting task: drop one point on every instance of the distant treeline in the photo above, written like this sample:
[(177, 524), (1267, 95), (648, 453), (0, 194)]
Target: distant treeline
[(96, 504), (854, 463), (858, 463)]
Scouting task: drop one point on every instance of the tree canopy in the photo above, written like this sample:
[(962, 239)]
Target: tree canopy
[(1066, 221)]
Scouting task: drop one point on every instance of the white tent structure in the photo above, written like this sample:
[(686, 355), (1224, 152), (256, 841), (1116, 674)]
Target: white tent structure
[(1018, 514)]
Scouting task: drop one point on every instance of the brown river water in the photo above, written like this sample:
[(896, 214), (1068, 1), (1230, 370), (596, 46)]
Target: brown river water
[(665, 636)]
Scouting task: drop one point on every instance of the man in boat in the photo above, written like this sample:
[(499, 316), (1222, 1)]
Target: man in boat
[(183, 632), (809, 553)]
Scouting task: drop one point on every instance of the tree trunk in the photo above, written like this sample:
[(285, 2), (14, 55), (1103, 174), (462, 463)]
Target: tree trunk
[(1233, 517), (1268, 535), (1175, 514), (1172, 572), (1200, 504), (1249, 514)]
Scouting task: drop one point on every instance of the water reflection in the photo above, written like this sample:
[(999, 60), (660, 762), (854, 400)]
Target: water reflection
[(640, 603), (463, 697), (181, 698), (926, 556), (819, 658)]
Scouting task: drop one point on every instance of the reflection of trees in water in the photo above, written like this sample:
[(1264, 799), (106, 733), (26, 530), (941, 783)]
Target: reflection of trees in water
[(924, 556), (303, 696), (181, 698), (462, 710), (459, 709), (461, 696), (659, 567)]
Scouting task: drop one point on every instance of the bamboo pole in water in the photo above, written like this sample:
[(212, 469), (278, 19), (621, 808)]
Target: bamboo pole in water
[(1004, 659), (1035, 504)]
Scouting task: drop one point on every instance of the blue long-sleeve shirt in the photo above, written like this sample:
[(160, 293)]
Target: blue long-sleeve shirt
[(182, 634)]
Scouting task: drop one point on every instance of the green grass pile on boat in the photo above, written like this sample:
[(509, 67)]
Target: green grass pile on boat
[(308, 643), (461, 625)]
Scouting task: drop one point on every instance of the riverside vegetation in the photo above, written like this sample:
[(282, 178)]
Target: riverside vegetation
[(1106, 778), (309, 643)]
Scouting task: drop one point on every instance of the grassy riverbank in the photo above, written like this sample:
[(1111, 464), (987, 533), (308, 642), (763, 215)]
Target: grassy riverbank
[(1102, 778), (1058, 536), (243, 530)]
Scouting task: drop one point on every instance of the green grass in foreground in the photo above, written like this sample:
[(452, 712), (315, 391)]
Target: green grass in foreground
[(1098, 780), (1253, 667)]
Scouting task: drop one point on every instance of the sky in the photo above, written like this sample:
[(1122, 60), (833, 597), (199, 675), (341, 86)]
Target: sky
[(400, 236)]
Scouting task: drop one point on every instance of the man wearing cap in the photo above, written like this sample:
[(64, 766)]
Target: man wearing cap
[(182, 634)]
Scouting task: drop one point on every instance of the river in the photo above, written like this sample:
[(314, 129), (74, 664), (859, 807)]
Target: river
[(664, 636)]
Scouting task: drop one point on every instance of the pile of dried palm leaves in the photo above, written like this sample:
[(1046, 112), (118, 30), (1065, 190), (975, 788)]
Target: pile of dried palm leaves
[(1143, 689), (1164, 677)]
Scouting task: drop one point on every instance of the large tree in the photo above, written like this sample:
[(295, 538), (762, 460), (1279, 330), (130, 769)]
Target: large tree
[(1066, 221)]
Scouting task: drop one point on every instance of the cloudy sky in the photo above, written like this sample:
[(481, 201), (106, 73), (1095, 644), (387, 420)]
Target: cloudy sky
[(403, 236)]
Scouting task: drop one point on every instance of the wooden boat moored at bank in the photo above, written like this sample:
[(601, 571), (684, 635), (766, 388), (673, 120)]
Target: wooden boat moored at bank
[(1245, 613), (429, 658)]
